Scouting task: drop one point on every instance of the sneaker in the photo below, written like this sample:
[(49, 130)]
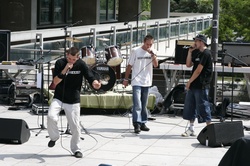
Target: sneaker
[(137, 127), (144, 127), (188, 133), (78, 154), (51, 143)]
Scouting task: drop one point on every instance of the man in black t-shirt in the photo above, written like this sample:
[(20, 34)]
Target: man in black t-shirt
[(197, 99), (68, 77)]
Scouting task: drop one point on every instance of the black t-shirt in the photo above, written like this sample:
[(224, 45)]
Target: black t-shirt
[(68, 90), (205, 59)]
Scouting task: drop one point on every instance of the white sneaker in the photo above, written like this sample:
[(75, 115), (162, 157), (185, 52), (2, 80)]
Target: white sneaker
[(188, 133)]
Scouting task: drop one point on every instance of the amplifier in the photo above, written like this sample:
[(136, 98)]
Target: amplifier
[(181, 51)]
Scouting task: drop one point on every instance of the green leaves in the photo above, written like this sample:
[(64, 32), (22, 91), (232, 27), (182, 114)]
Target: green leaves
[(234, 18)]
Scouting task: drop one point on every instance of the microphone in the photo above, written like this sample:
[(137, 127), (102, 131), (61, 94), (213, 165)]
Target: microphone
[(67, 72), (151, 52)]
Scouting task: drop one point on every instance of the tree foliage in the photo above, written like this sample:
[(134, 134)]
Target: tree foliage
[(145, 5), (191, 6), (234, 20)]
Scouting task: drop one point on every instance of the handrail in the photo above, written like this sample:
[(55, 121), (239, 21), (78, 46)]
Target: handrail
[(164, 31), (59, 32)]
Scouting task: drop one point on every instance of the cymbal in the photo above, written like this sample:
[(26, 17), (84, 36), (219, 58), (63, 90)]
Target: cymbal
[(126, 43), (103, 39), (73, 39)]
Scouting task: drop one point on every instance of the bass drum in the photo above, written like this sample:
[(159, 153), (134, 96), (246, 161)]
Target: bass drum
[(105, 74)]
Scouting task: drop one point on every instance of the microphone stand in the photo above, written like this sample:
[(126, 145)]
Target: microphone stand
[(222, 114), (232, 65), (137, 24), (66, 34)]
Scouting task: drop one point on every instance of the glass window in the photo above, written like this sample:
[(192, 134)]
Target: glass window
[(111, 10), (58, 11), (69, 11), (54, 12), (103, 10), (45, 9), (108, 10)]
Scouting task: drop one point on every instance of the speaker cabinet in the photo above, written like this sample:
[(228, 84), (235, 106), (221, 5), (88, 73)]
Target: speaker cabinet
[(239, 50), (181, 50), (221, 134), (4, 45), (14, 131)]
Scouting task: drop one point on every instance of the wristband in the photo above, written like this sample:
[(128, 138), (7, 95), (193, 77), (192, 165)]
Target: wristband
[(125, 79), (61, 76)]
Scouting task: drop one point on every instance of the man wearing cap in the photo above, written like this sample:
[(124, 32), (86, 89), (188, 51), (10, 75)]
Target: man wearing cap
[(197, 99)]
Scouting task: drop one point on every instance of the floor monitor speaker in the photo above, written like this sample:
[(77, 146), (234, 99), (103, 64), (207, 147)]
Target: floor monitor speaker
[(14, 131), (221, 134)]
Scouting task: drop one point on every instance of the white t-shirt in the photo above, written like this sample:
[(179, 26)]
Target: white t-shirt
[(142, 67)]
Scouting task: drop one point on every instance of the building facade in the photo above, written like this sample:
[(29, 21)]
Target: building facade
[(20, 15)]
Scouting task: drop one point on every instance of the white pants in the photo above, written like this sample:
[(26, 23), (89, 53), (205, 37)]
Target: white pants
[(72, 112)]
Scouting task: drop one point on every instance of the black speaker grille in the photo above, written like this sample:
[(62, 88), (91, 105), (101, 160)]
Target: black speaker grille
[(221, 134), (14, 131), (181, 50)]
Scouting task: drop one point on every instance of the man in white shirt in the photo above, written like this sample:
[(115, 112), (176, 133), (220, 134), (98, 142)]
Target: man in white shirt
[(141, 62)]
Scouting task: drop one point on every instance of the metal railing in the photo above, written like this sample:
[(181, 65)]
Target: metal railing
[(50, 42), (162, 29)]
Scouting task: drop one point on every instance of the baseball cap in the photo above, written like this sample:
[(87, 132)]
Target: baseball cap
[(201, 38)]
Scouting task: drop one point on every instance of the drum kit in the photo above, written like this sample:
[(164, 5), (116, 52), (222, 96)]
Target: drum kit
[(102, 64)]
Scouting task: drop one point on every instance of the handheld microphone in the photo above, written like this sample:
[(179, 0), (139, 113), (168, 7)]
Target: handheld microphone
[(67, 72), (151, 52)]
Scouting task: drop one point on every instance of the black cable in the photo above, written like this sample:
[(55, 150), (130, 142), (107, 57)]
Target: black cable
[(89, 133), (120, 101), (61, 142)]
